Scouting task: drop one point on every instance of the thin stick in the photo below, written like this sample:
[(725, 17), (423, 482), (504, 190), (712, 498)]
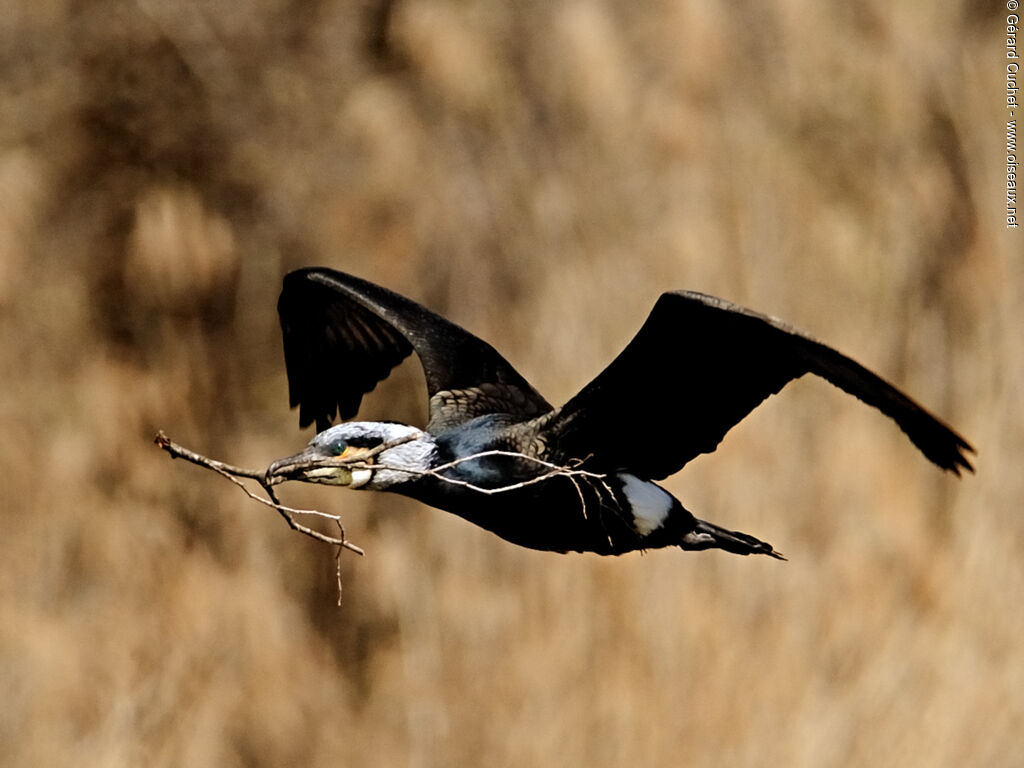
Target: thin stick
[(232, 473), (554, 470), (178, 452)]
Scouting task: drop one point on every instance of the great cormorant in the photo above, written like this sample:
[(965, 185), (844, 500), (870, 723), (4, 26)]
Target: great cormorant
[(493, 446)]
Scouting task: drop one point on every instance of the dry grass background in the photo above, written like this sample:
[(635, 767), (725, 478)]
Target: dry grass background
[(539, 171)]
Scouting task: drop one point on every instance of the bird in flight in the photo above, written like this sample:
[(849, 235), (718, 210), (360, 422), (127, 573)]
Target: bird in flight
[(581, 477)]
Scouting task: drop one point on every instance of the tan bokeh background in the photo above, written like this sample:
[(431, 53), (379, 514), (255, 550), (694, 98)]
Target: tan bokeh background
[(538, 171)]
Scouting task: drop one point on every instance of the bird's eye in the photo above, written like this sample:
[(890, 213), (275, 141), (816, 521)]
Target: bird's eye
[(338, 447)]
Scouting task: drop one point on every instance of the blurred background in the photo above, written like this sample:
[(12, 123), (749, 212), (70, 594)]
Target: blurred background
[(539, 172)]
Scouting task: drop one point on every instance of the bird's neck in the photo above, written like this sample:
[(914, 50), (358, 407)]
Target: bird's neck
[(404, 464)]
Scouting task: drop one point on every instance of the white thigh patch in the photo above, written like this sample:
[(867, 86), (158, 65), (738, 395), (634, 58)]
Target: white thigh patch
[(650, 503)]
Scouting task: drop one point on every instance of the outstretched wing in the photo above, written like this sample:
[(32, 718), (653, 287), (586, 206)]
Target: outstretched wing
[(342, 335), (696, 368)]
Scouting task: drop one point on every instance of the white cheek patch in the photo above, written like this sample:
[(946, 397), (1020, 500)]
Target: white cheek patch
[(360, 477), (650, 503)]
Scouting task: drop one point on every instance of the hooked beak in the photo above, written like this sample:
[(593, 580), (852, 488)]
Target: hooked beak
[(312, 465)]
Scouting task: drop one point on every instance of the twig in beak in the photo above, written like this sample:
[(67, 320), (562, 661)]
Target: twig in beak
[(265, 480)]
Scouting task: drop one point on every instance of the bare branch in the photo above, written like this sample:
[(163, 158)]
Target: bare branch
[(232, 473), (178, 452), (554, 470)]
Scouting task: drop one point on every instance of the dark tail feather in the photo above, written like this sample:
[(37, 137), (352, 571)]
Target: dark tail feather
[(709, 536)]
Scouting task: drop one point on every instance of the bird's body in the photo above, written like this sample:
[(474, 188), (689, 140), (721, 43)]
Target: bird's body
[(512, 489), (576, 478)]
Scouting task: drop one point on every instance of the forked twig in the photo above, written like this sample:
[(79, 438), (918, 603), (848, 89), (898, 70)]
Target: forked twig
[(232, 473), (553, 470)]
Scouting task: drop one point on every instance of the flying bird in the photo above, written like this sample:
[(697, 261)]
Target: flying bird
[(581, 477)]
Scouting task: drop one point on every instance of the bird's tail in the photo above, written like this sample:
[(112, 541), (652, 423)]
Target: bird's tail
[(706, 535)]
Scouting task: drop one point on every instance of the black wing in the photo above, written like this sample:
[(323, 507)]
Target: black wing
[(696, 368), (342, 335)]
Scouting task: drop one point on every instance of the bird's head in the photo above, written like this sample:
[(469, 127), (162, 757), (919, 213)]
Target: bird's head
[(359, 454)]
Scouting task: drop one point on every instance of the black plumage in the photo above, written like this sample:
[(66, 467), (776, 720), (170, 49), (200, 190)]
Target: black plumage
[(342, 335), (696, 368), (702, 364)]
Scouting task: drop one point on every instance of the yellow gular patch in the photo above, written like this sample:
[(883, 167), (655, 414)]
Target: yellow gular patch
[(351, 452)]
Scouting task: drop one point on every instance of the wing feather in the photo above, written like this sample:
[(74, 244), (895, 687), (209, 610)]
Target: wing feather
[(696, 368), (343, 335)]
